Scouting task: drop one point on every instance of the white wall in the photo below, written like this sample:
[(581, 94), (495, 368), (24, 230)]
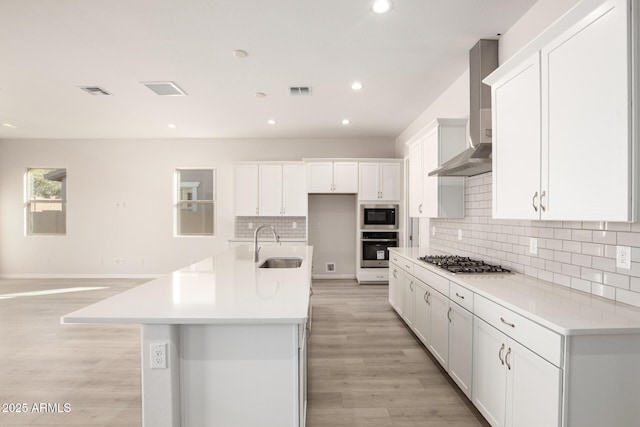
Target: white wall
[(454, 101), (120, 200)]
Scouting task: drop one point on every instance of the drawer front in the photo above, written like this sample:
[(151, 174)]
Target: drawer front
[(379, 275), (432, 279), (539, 339), (404, 263), (461, 295)]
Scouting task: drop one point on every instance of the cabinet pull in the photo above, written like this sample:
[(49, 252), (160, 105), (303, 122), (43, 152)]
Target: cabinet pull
[(408, 266), (449, 314), (459, 296), (533, 201), (256, 210), (507, 323), (420, 208), (394, 274), (411, 286), (500, 354), (429, 298), (506, 358), (544, 193), (426, 297)]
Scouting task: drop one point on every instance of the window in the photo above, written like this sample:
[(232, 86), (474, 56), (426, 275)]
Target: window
[(195, 207), (46, 207)]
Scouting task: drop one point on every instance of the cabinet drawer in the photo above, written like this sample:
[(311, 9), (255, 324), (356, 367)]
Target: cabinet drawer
[(539, 339), (432, 279), (402, 262), (461, 295)]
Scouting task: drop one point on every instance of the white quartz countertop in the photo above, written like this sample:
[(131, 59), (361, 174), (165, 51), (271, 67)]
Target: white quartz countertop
[(561, 309), (227, 288)]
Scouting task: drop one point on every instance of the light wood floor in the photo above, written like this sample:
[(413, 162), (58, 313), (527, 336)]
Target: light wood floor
[(366, 369)]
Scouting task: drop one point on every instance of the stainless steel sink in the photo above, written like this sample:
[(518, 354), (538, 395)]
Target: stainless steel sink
[(291, 262)]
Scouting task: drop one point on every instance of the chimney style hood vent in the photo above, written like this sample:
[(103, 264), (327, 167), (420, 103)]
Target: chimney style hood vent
[(483, 59)]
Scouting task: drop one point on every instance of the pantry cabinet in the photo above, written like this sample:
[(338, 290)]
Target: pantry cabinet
[(379, 181), (332, 177), (563, 145), (436, 196)]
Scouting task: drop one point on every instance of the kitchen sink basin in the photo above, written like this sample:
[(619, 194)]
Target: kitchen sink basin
[(291, 262)]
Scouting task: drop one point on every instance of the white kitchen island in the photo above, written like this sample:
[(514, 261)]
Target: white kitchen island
[(234, 337)]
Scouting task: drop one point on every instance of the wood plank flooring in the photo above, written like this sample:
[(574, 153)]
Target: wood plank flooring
[(365, 367)]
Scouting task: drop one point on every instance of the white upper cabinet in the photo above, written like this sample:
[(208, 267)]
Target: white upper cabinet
[(436, 196), (245, 190), (270, 189), (332, 177), (563, 146), (379, 181)]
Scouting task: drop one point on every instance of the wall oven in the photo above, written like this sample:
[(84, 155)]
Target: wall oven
[(383, 217), (375, 248)]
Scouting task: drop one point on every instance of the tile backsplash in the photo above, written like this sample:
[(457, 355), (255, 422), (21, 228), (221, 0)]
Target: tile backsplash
[(283, 225), (576, 254)]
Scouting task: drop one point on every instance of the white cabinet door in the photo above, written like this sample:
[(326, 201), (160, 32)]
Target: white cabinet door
[(533, 389), (460, 347), (439, 344), (430, 183), (245, 189), (422, 312), (489, 372), (409, 299), (320, 177), (395, 280), (390, 181), (415, 180), (270, 190), (400, 292), (516, 142), (586, 135), (294, 190), (369, 188), (345, 177)]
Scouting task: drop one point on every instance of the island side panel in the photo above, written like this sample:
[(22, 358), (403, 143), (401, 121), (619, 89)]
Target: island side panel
[(240, 375), (161, 387)]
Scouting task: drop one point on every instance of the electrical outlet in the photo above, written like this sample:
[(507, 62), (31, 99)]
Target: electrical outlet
[(533, 246), (158, 355), (623, 257), (459, 234)]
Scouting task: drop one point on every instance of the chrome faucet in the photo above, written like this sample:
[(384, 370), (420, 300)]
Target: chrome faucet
[(256, 249)]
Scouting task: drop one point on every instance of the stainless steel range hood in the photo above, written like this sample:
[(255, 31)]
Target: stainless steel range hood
[(483, 59)]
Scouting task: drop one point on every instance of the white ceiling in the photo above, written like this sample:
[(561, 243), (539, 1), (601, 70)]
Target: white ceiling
[(405, 59)]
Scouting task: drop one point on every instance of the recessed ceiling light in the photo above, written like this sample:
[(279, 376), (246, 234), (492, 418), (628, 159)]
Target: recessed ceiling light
[(9, 125), (239, 53), (345, 121), (171, 126), (382, 6), (356, 86), (271, 122)]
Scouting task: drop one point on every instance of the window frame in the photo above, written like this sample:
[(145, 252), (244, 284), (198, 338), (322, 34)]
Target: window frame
[(30, 200), (191, 204)]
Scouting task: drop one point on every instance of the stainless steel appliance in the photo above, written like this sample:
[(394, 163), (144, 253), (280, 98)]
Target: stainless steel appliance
[(384, 217), (463, 265), (375, 248)]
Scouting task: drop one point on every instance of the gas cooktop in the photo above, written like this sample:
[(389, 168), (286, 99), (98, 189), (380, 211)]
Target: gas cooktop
[(462, 265)]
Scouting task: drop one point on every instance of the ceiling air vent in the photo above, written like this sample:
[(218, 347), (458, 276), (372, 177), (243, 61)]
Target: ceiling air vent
[(300, 90), (95, 90), (165, 88)]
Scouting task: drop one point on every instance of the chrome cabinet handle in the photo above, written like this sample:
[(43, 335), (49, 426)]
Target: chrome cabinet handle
[(533, 201), (506, 358), (394, 274), (500, 354), (408, 266), (420, 208), (411, 286), (429, 298), (459, 296), (544, 193), (507, 323), (256, 210), (449, 314), (426, 297)]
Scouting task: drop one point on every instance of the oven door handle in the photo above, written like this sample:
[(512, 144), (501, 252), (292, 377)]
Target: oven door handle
[(379, 240)]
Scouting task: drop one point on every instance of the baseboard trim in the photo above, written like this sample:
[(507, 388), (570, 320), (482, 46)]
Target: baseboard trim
[(77, 276)]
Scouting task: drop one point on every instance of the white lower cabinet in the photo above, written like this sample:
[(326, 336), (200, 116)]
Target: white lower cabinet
[(460, 347), (422, 317), (439, 343), (512, 385), (396, 287), (409, 299)]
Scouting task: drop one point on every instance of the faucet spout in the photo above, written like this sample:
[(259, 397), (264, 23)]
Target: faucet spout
[(256, 248)]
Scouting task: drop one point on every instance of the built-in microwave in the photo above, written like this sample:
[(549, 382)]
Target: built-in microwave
[(379, 217)]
